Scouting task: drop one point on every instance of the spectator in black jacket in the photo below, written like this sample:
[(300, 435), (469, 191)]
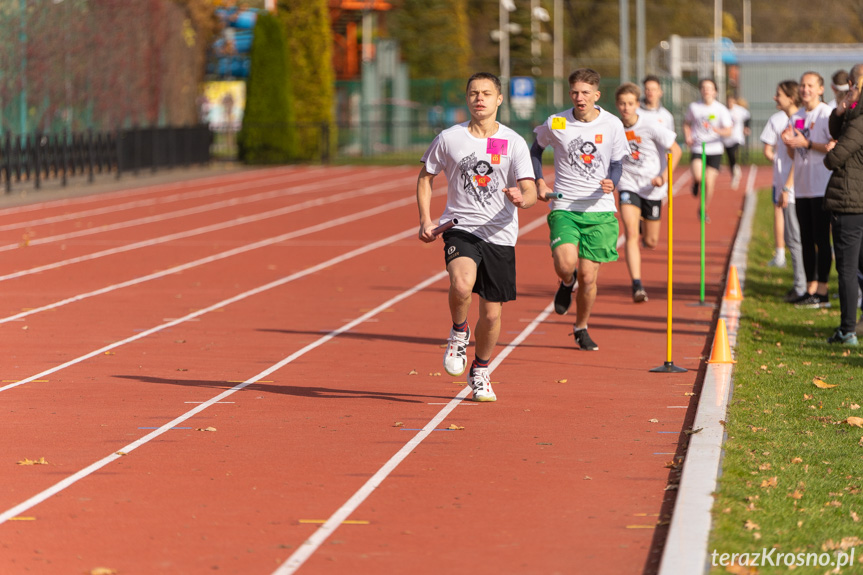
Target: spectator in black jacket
[(844, 200)]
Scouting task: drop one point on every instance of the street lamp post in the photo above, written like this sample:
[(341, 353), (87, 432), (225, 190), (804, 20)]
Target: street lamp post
[(23, 95), (505, 7)]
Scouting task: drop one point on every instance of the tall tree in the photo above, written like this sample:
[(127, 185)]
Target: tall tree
[(434, 37), (267, 135), (309, 43)]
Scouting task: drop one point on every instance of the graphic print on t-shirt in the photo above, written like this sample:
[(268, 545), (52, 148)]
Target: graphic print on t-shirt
[(634, 156), (800, 126), (478, 179), (583, 158)]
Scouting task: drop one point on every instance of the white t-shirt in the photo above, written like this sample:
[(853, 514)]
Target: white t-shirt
[(648, 141), (739, 116), (583, 152), (772, 136), (703, 120), (810, 175), (659, 114), (477, 170)]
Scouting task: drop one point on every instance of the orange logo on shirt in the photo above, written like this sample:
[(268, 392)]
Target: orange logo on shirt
[(495, 158), (598, 138)]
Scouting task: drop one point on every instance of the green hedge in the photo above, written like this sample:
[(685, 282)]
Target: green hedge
[(265, 137)]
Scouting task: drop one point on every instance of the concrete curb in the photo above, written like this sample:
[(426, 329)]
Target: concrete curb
[(685, 548)]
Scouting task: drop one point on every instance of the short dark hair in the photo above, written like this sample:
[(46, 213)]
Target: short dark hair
[(484, 76), (586, 75), (627, 88), (703, 80), (651, 78)]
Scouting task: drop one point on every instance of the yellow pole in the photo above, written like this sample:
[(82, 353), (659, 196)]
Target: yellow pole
[(668, 366), (670, 243)]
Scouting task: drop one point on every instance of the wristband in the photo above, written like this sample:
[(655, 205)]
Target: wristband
[(809, 144), (786, 189)]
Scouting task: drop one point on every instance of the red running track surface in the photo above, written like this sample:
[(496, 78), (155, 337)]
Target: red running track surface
[(211, 369)]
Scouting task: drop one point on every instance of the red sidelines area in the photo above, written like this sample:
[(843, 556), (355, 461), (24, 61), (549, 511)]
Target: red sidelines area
[(210, 370)]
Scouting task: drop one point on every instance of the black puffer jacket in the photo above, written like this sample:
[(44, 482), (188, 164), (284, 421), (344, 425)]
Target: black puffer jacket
[(845, 189)]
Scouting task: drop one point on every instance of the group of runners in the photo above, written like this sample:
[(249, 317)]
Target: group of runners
[(492, 174)]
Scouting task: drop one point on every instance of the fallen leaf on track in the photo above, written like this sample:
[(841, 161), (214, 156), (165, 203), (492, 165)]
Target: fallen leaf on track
[(206, 429), (653, 420), (413, 372), (40, 461), (561, 381), (398, 424), (103, 571), (455, 427)]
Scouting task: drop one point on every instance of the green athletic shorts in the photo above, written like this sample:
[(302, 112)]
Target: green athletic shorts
[(595, 233)]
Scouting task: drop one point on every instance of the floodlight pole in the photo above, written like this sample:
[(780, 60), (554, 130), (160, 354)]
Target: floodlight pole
[(717, 50), (504, 8), (558, 54), (624, 41), (640, 42), (23, 94)]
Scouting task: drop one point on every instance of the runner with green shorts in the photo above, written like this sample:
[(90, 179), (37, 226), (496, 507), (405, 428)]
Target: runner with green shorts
[(589, 146)]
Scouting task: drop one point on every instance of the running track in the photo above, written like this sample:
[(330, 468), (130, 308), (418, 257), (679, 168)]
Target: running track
[(294, 314)]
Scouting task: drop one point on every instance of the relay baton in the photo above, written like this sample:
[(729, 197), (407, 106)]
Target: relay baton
[(554, 196), (444, 227)]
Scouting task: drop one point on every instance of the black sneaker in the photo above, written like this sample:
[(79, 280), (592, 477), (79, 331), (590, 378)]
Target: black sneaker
[(582, 338), (813, 301), (563, 298), (793, 297)]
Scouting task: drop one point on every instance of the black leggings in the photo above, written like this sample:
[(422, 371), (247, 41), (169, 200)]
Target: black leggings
[(731, 152), (815, 239)]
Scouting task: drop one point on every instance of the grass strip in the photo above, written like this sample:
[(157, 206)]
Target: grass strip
[(792, 471)]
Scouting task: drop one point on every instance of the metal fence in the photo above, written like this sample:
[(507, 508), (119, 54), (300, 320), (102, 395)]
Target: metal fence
[(37, 157)]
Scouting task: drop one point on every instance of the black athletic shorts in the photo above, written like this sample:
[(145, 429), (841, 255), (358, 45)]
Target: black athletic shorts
[(495, 265), (650, 209), (714, 161)]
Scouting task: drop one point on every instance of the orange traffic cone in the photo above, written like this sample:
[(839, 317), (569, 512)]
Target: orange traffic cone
[(732, 286), (721, 352)]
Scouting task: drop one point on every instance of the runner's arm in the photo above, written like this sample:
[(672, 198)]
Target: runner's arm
[(424, 194)]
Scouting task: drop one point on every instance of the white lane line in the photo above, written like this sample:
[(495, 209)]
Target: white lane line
[(311, 544), (113, 208), (225, 302), (213, 258), (185, 234), (296, 560), (228, 203), (150, 189), (94, 467)]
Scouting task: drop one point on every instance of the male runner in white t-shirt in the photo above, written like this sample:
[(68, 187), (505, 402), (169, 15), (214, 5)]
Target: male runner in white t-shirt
[(589, 146), (489, 177), (652, 104), (644, 182), (707, 122)]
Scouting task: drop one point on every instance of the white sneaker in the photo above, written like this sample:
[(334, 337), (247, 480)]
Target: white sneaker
[(776, 262), (455, 358), (481, 384)]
